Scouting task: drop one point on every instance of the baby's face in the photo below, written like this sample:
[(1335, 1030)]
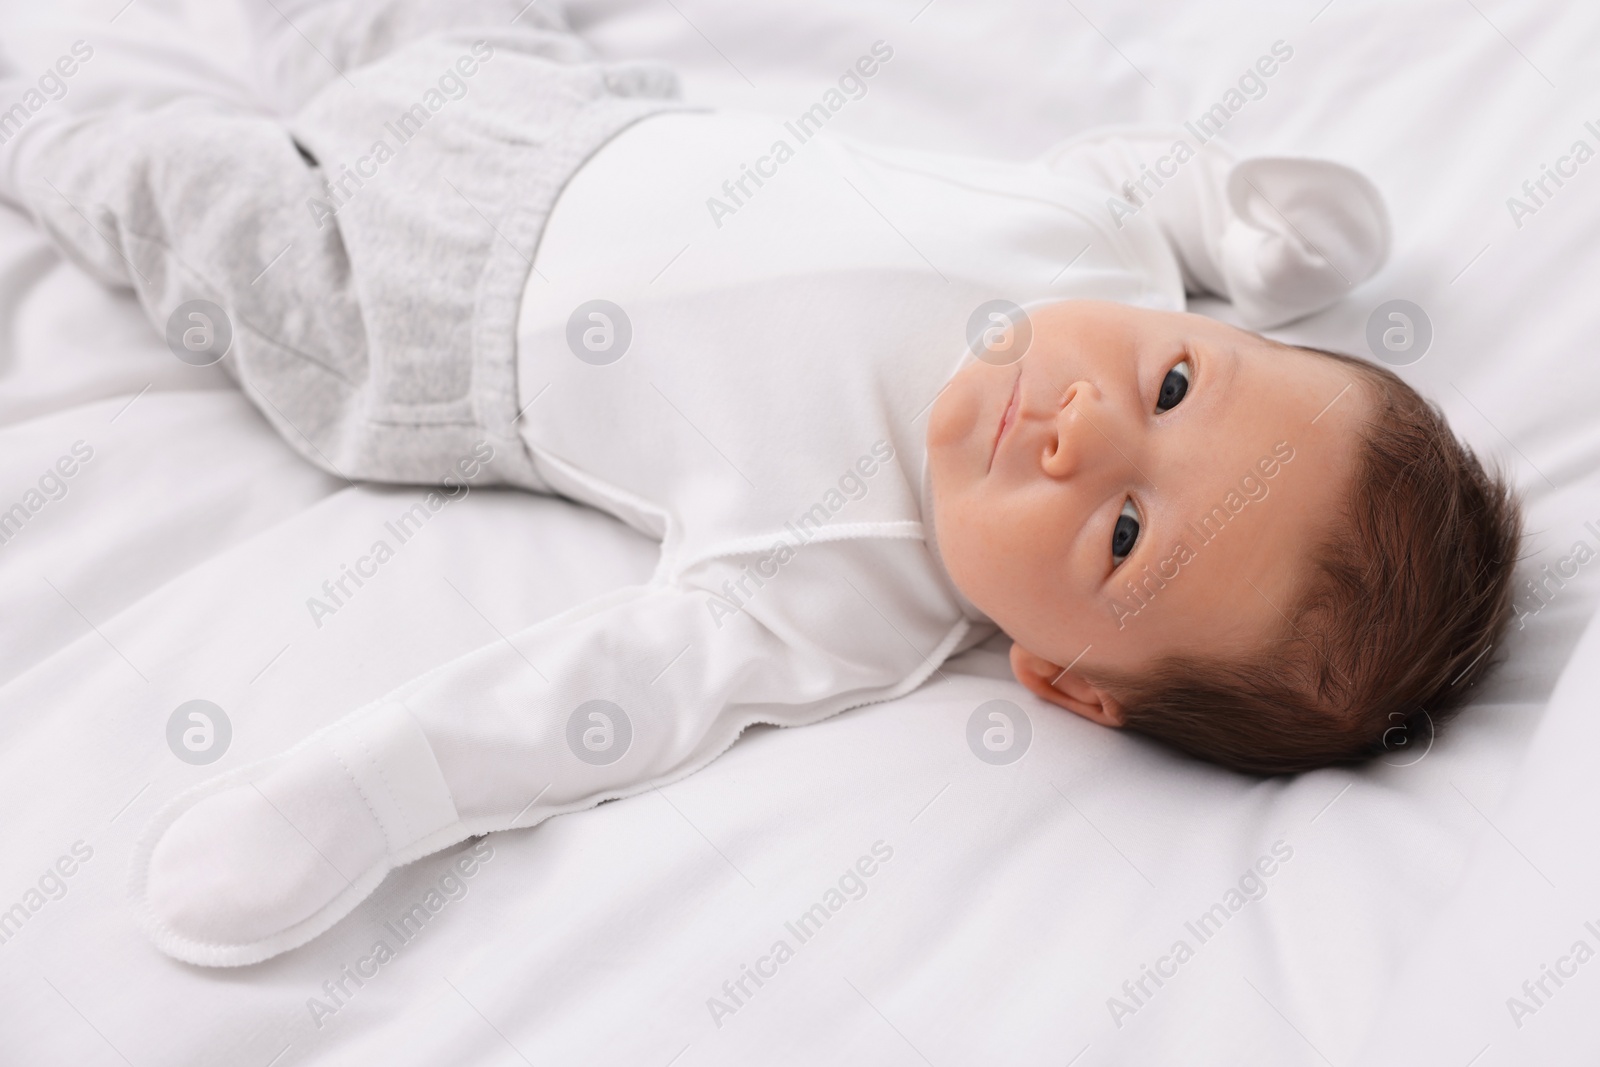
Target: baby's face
[(1170, 451)]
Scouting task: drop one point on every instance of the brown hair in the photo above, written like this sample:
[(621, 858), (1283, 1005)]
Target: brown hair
[(1409, 591)]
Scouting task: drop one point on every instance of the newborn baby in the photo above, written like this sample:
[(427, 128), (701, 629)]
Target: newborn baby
[(876, 405)]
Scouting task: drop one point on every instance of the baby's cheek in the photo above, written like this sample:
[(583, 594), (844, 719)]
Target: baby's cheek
[(976, 553), (955, 412)]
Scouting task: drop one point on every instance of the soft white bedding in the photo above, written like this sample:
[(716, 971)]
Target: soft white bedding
[(1407, 899)]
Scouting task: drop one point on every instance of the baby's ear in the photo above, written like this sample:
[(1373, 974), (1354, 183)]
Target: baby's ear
[(1064, 688)]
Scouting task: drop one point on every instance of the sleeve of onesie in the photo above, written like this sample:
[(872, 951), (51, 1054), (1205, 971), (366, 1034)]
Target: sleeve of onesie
[(1278, 236), (622, 694), (648, 684)]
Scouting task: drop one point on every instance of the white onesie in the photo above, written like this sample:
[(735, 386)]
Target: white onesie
[(731, 339)]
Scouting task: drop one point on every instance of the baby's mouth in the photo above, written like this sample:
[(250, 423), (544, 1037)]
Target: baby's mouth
[(1008, 417)]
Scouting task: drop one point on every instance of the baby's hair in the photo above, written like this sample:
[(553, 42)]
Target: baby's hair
[(1408, 593)]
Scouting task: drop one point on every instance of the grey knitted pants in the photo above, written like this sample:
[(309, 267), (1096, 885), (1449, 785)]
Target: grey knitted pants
[(368, 254)]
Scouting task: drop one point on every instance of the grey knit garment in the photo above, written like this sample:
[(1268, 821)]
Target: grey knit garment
[(370, 252)]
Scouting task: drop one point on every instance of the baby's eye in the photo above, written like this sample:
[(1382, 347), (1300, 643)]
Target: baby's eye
[(1126, 534), (1174, 387)]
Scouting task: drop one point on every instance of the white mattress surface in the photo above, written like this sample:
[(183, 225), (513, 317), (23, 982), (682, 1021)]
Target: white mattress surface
[(1407, 900)]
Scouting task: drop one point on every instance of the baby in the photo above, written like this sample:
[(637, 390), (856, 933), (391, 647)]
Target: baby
[(876, 405)]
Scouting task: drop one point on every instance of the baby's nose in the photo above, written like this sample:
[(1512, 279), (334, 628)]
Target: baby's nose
[(1083, 433)]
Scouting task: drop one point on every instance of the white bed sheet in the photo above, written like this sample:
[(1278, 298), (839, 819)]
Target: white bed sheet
[(1017, 899)]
